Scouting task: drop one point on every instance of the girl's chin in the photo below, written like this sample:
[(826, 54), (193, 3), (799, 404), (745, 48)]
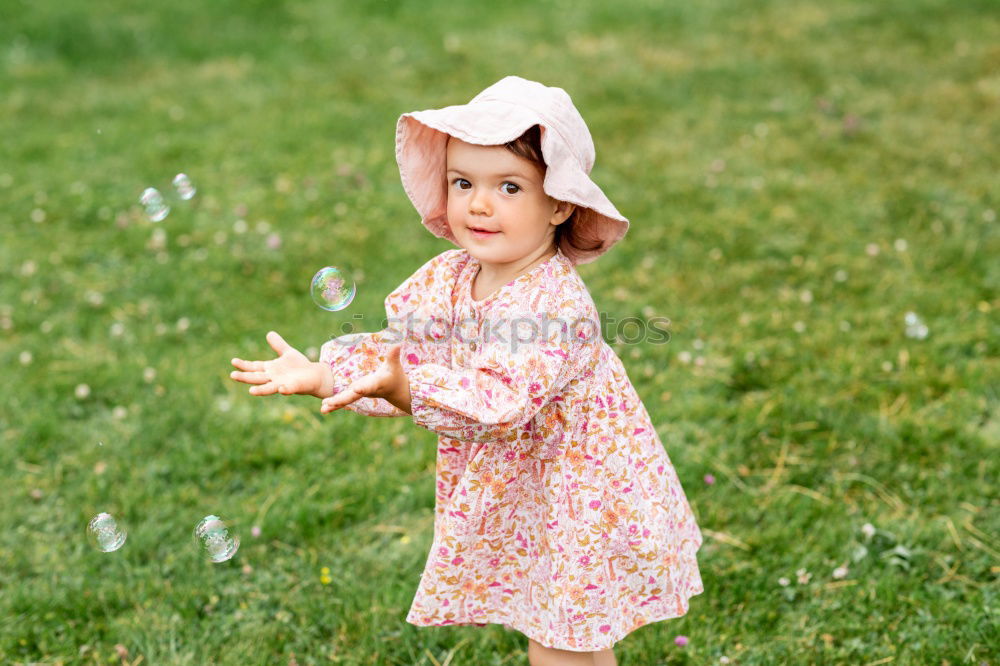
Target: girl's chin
[(483, 254)]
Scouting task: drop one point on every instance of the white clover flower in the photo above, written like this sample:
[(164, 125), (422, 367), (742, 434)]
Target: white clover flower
[(158, 240)]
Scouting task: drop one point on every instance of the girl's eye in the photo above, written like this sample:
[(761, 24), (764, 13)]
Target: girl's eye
[(457, 180), (512, 184)]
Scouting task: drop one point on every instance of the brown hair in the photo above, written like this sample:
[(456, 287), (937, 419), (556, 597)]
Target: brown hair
[(529, 146)]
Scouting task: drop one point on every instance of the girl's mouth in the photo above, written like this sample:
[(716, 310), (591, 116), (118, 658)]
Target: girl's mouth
[(481, 233)]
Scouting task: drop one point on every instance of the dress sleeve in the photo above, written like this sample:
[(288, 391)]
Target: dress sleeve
[(353, 356), (418, 315), (505, 387)]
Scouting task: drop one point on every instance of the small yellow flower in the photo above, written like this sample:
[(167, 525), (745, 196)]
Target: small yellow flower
[(326, 580), (405, 538), (325, 571)]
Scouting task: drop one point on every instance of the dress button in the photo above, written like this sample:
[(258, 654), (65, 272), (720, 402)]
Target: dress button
[(472, 346)]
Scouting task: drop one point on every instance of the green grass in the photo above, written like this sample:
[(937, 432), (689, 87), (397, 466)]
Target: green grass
[(757, 148)]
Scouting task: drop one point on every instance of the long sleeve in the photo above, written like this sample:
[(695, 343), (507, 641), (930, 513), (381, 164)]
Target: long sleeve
[(504, 388), (418, 315), (353, 356)]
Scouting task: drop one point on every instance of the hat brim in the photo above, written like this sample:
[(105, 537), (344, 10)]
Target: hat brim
[(421, 153)]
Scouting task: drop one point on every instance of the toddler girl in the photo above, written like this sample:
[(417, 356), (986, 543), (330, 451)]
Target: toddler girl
[(558, 512)]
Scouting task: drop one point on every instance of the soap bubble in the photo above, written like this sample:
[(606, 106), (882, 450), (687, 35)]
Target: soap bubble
[(214, 537), (105, 533), (185, 190), (332, 289), (152, 201)]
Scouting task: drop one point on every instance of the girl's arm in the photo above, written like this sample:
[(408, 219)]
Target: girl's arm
[(421, 298), (353, 356), (342, 361)]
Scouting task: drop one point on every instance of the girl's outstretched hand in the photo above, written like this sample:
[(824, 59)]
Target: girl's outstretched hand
[(388, 382), (288, 374)]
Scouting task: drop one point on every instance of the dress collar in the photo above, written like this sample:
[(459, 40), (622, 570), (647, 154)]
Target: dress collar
[(473, 265)]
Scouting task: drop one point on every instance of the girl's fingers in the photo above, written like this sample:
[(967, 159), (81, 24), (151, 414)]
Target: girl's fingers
[(249, 377), (277, 343), (264, 389), (345, 397), (252, 366), (362, 388), (342, 399), (330, 405)]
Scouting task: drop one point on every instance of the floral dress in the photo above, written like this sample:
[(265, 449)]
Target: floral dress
[(558, 512)]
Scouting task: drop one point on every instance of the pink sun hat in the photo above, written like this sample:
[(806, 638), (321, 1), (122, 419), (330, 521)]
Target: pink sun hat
[(497, 115)]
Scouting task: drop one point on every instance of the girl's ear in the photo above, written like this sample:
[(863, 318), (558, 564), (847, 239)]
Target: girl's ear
[(562, 211)]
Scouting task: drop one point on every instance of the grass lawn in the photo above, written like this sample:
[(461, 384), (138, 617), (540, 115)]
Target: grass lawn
[(799, 176)]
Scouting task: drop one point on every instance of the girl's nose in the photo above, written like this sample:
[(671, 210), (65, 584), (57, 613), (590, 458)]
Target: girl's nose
[(478, 204)]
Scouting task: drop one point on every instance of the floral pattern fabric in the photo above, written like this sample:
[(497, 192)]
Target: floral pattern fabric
[(557, 512)]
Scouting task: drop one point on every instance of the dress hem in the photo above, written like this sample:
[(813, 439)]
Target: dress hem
[(559, 644)]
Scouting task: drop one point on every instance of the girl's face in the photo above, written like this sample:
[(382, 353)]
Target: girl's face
[(494, 190)]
